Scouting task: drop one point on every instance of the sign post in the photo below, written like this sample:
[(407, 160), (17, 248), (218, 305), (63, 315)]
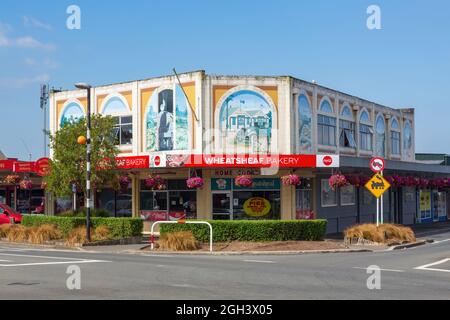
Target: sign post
[(378, 186)]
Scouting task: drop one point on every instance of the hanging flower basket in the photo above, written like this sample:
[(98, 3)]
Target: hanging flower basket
[(26, 184), (155, 183), (12, 179), (354, 180), (124, 182), (291, 180), (195, 183), (243, 181), (337, 181)]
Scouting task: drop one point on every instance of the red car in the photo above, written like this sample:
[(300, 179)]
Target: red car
[(7, 215)]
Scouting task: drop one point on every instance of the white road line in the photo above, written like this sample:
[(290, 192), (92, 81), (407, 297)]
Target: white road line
[(5, 261), (441, 241), (38, 257), (51, 263), (387, 270), (427, 266), (258, 261)]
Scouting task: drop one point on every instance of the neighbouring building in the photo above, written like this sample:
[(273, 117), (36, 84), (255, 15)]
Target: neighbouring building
[(220, 127), (433, 158), (23, 197)]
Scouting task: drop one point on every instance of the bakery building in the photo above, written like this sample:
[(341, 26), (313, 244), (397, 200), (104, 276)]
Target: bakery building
[(176, 134)]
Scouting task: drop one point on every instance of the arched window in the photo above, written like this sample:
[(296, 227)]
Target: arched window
[(346, 112), (365, 118), (365, 131), (380, 128), (305, 125), (395, 137), (326, 107), (347, 128), (72, 113), (407, 137), (246, 122), (326, 125), (117, 108)]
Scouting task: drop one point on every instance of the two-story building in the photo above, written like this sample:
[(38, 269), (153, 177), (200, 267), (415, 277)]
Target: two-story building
[(219, 127)]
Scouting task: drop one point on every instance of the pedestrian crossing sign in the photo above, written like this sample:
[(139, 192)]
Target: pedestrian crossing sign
[(378, 185)]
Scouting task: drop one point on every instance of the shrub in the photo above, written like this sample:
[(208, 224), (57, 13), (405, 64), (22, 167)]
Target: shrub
[(262, 230), (77, 236), (178, 241), (82, 213), (385, 233), (102, 233), (44, 233), (120, 228), (18, 233)]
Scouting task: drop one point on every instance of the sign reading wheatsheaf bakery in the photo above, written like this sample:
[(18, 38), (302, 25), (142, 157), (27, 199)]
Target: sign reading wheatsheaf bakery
[(255, 161)]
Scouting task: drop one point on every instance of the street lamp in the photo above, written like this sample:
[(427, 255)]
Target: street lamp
[(87, 87)]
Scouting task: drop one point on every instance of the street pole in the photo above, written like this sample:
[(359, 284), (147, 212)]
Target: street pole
[(382, 207), (88, 159)]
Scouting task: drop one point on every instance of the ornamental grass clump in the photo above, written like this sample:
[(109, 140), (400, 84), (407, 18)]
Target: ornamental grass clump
[(44, 233), (386, 233), (102, 233), (178, 241)]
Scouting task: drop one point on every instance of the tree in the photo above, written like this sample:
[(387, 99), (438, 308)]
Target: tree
[(68, 163)]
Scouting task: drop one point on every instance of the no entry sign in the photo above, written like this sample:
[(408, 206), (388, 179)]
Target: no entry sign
[(377, 164)]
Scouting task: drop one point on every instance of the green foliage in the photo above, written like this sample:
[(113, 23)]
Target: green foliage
[(68, 164), (120, 227), (82, 213), (223, 231)]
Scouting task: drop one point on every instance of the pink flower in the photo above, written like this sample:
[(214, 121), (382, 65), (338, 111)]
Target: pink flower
[(291, 180), (244, 181), (195, 182), (337, 180), (26, 184)]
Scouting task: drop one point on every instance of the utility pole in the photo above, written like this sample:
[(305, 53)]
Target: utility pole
[(43, 104)]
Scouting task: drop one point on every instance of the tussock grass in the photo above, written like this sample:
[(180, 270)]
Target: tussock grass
[(102, 233), (385, 233), (178, 241), (44, 233), (4, 230), (18, 233), (78, 236)]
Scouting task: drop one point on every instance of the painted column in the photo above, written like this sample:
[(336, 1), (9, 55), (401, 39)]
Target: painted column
[(204, 198)]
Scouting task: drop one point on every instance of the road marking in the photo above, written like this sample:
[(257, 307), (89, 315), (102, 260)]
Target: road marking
[(441, 241), (51, 263), (387, 270), (62, 260), (5, 261), (427, 266), (183, 286), (259, 261)]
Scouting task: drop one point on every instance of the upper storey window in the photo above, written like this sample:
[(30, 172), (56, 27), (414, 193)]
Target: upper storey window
[(395, 137), (347, 129), (326, 125), (123, 132), (365, 132), (381, 136)]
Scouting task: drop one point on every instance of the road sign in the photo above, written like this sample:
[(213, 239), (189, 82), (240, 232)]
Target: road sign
[(377, 164), (378, 185)]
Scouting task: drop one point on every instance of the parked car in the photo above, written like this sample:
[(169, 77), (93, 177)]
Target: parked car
[(8, 215)]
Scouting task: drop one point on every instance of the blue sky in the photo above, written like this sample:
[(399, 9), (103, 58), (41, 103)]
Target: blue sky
[(406, 64)]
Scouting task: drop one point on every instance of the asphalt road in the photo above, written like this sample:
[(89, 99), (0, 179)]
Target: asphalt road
[(41, 274)]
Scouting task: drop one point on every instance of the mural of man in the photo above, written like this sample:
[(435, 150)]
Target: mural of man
[(165, 120)]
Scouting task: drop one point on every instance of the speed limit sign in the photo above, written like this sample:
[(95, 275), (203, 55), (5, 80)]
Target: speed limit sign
[(377, 164)]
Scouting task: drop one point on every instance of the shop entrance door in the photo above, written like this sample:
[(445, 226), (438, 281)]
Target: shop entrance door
[(304, 210), (221, 206)]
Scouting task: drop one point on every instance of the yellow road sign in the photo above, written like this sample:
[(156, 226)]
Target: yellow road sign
[(378, 185)]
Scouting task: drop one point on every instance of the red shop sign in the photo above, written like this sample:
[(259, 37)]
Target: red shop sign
[(7, 165), (139, 162), (154, 216), (23, 167), (42, 167)]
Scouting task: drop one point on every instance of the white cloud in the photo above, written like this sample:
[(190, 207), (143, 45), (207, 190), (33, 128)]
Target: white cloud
[(35, 23), (21, 42), (19, 83)]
